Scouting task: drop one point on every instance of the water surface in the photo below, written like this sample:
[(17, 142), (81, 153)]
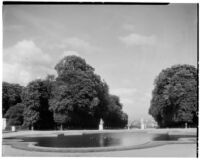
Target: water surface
[(100, 139)]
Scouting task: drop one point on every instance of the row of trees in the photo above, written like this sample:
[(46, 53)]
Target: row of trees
[(174, 98), (76, 98)]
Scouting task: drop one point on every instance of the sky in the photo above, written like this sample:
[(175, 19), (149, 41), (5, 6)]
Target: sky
[(128, 45)]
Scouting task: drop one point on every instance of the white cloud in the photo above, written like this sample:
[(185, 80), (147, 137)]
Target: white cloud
[(24, 62), (74, 43), (25, 52), (69, 53), (137, 39), (126, 95), (123, 91), (126, 101)]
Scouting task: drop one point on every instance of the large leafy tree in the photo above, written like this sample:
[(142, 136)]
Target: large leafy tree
[(174, 100), (79, 98), (14, 114), (36, 100), (11, 95), (79, 94), (73, 105)]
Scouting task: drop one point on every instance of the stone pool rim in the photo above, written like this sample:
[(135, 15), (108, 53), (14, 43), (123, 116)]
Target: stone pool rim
[(30, 146)]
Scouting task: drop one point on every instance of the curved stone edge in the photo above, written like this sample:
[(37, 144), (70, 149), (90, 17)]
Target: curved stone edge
[(30, 146)]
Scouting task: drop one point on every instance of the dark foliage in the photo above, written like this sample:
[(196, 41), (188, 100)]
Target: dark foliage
[(79, 98), (114, 117), (174, 101), (11, 95), (36, 100), (14, 115)]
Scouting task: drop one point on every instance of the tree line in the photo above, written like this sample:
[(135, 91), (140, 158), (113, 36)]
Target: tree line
[(76, 99)]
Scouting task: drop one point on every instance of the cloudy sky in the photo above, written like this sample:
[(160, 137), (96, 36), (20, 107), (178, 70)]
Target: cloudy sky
[(128, 45)]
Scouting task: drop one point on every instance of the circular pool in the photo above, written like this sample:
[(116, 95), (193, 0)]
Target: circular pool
[(88, 142)]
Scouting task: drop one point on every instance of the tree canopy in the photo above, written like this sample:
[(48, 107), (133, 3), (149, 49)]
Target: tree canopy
[(80, 98), (72, 64), (115, 117), (36, 100), (11, 95), (174, 98), (15, 114)]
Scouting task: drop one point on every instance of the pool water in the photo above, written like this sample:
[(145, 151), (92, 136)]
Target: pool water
[(166, 137), (99, 139), (88, 140)]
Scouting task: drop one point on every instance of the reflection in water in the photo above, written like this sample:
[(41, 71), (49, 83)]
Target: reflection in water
[(166, 137), (99, 139)]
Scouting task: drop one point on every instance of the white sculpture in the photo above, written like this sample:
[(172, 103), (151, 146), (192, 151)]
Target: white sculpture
[(13, 129), (101, 125), (142, 126), (4, 124)]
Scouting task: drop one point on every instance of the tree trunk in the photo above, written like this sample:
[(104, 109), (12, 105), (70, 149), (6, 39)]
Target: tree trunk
[(61, 127), (32, 127)]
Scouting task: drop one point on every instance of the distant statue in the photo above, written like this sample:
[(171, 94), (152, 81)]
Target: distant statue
[(142, 126), (101, 125), (186, 125), (4, 124)]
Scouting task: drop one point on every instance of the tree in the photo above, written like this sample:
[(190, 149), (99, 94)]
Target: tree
[(79, 98), (72, 64), (15, 115), (75, 93), (11, 95), (59, 104), (174, 101), (114, 116), (36, 100)]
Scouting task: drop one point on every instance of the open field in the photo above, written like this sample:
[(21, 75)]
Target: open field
[(164, 150)]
